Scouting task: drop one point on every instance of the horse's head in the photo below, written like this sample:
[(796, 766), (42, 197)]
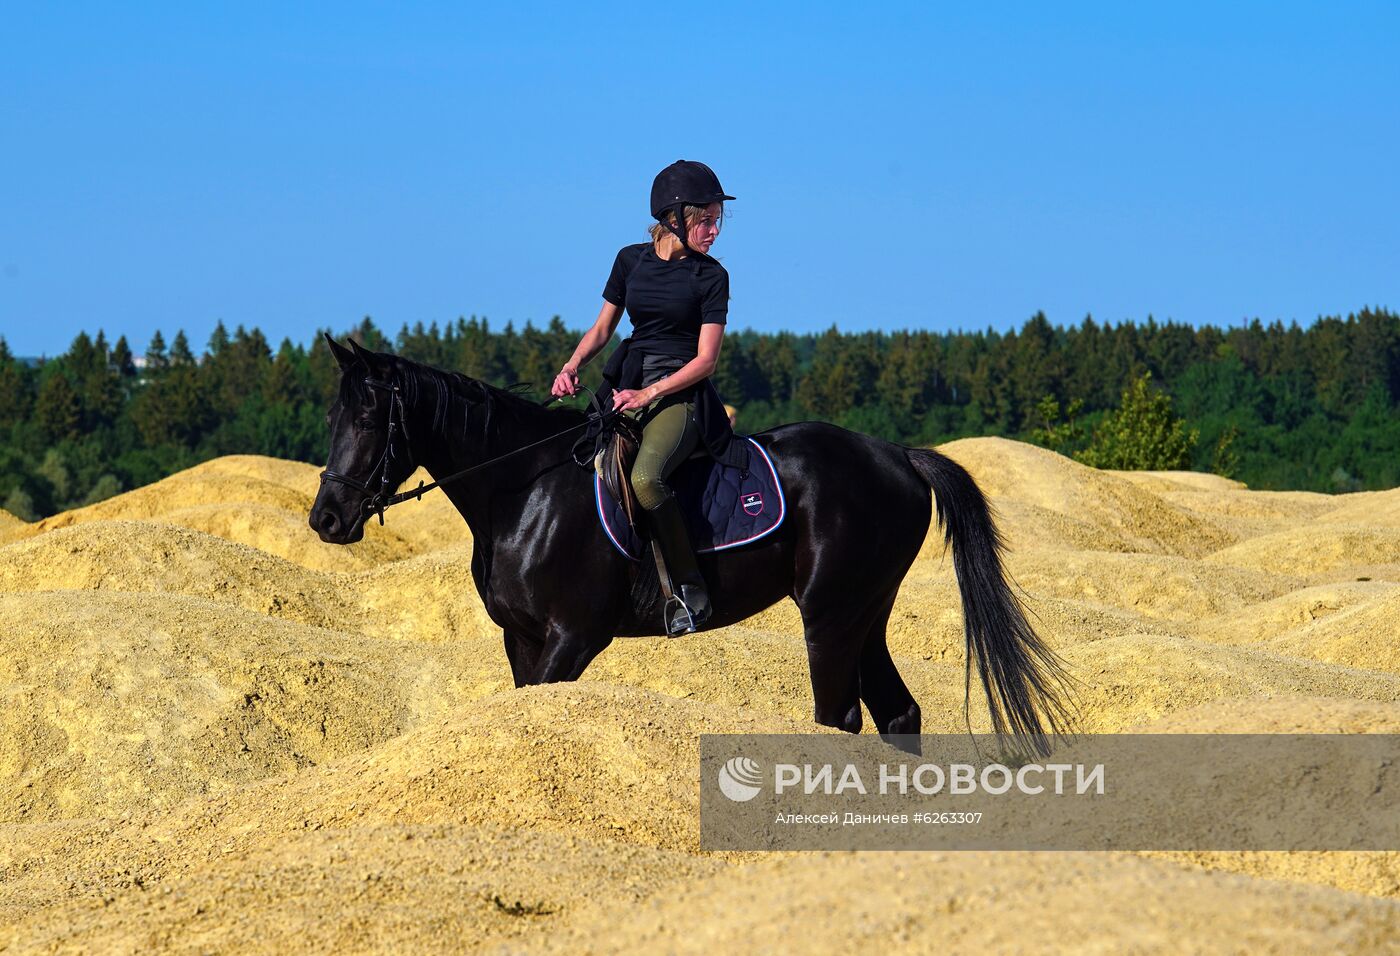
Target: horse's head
[(369, 456)]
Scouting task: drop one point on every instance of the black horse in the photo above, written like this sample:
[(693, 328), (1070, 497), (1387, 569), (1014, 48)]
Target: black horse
[(859, 510)]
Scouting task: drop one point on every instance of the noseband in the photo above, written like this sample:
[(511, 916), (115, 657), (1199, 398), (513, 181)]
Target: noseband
[(376, 501)]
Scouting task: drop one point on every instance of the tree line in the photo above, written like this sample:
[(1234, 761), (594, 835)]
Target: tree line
[(1278, 407)]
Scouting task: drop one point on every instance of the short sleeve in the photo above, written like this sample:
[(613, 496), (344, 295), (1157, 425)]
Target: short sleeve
[(714, 301), (616, 289)]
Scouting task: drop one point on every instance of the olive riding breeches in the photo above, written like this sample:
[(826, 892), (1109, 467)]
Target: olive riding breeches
[(668, 438)]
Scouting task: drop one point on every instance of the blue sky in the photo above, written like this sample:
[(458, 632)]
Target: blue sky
[(295, 166)]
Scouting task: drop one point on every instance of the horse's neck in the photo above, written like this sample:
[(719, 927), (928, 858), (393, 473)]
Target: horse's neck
[(468, 438), (467, 441)]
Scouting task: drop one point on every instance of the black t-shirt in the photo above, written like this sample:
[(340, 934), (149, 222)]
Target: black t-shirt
[(668, 301)]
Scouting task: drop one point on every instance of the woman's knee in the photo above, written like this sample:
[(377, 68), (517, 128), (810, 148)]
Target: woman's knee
[(649, 485)]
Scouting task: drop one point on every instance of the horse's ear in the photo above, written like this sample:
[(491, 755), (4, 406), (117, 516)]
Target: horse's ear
[(374, 363), (370, 359), (343, 356)]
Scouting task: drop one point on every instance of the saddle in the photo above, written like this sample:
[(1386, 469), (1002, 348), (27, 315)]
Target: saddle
[(617, 453), (724, 506)]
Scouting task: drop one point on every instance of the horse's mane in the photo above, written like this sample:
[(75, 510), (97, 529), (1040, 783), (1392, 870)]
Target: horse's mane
[(446, 392)]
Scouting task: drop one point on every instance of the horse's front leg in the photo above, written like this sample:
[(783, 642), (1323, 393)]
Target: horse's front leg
[(566, 652), (523, 651)]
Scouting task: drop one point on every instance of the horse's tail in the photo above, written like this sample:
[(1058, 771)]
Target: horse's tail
[(1028, 690)]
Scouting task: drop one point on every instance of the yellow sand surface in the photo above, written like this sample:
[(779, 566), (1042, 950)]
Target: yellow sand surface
[(11, 527), (220, 735)]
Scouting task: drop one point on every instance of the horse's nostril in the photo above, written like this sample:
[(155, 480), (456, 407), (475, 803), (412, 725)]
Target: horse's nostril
[(329, 522)]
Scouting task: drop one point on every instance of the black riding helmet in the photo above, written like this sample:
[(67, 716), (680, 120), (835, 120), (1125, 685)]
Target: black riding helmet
[(683, 183)]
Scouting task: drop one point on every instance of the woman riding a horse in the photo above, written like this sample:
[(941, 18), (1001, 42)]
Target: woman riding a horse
[(858, 508), (677, 297)]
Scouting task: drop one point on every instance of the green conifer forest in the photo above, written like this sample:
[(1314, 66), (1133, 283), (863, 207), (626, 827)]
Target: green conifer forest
[(1275, 406)]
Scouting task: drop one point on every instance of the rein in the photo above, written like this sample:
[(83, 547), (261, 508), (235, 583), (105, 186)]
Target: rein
[(381, 499)]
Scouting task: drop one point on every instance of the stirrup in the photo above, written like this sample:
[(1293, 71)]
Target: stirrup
[(680, 620), (687, 611)]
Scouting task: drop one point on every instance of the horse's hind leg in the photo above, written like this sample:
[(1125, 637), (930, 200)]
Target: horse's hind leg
[(834, 638), (891, 706), (835, 681)]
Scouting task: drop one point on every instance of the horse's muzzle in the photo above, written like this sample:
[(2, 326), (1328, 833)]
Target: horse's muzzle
[(333, 527)]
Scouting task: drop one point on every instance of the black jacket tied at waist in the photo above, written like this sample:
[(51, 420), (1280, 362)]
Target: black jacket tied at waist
[(624, 371)]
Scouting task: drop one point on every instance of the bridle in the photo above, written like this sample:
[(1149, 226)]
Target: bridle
[(376, 501)]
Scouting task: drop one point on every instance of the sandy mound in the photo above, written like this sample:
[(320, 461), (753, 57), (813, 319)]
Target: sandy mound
[(103, 719), (462, 890), (1160, 481), (1369, 508), (373, 889), (742, 667), (1248, 514), (1281, 715), (11, 527), (607, 763), (264, 503), (593, 760), (415, 527), (967, 902), (1030, 527), (193, 487), (1356, 624), (296, 476), (140, 557), (1153, 585), (223, 735), (1254, 623), (284, 533), (1128, 681), (425, 811), (428, 598), (1010, 471), (1322, 552), (927, 620), (1366, 635), (1376, 874)]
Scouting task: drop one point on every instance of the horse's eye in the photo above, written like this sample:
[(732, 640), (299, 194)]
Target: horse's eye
[(364, 424)]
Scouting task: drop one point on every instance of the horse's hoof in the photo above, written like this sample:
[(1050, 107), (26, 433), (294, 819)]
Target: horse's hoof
[(908, 722), (903, 732)]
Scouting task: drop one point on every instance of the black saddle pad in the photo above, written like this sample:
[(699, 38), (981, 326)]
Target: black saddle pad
[(724, 507)]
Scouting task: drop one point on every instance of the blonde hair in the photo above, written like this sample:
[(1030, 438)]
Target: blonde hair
[(692, 215)]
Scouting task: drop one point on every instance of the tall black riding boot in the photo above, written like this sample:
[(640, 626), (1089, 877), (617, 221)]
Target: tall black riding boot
[(686, 615)]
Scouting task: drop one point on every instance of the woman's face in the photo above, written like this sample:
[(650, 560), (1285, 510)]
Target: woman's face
[(705, 230)]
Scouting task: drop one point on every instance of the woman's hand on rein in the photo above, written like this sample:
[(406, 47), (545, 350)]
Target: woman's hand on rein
[(565, 383), (627, 399)]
